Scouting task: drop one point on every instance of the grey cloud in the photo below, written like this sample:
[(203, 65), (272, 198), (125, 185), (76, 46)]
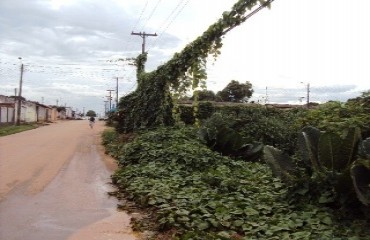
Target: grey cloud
[(84, 30)]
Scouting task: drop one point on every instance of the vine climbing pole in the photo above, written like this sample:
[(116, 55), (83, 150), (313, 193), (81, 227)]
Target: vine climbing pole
[(150, 105)]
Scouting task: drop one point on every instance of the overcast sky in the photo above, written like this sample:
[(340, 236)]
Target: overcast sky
[(69, 47)]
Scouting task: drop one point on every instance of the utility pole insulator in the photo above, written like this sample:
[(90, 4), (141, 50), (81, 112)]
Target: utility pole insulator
[(144, 35)]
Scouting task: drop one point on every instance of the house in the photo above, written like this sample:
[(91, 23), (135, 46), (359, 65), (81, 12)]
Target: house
[(31, 111), (42, 112), (7, 109), (53, 114), (28, 112), (6, 113), (69, 113)]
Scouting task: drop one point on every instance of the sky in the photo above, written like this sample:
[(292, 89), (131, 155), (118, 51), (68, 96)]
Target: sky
[(70, 48)]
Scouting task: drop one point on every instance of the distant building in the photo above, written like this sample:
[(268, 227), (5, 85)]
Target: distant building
[(30, 111), (7, 109)]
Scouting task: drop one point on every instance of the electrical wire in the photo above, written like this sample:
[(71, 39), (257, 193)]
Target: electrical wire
[(169, 21), (150, 15)]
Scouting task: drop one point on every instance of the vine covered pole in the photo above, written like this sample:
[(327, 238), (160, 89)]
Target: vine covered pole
[(151, 105)]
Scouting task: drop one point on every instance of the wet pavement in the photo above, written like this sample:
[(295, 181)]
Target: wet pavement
[(74, 204)]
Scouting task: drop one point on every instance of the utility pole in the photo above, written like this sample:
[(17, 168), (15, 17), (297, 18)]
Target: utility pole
[(144, 35), (105, 108), (110, 99), (117, 99), (308, 95), (117, 94), (15, 103), (18, 122)]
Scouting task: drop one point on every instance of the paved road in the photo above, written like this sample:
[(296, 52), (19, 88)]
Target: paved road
[(53, 184)]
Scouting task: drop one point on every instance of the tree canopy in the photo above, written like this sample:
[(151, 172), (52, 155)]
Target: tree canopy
[(91, 113), (236, 92), (205, 95)]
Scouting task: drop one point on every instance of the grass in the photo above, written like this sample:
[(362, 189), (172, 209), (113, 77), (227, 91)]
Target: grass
[(11, 129)]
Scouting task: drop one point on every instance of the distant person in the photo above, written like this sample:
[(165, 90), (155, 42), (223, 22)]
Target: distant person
[(91, 121)]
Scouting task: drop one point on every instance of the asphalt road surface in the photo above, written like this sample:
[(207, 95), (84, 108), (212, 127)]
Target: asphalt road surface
[(53, 185)]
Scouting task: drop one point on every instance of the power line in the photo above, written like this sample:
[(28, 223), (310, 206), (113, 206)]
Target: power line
[(170, 21), (151, 14), (141, 14)]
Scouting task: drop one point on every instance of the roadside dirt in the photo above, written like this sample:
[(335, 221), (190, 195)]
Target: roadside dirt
[(53, 185)]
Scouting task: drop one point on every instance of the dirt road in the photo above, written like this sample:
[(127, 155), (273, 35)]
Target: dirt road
[(53, 185)]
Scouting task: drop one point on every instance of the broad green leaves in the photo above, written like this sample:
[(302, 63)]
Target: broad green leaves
[(217, 198)]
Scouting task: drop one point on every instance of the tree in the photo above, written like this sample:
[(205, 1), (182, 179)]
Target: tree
[(365, 94), (91, 113), (205, 95), (236, 92), (61, 109)]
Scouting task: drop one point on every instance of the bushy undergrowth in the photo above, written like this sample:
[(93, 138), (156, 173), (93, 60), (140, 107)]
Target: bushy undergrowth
[(204, 195)]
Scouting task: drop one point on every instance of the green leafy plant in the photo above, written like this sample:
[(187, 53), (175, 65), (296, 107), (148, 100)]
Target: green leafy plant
[(330, 156), (195, 193), (280, 163), (221, 138)]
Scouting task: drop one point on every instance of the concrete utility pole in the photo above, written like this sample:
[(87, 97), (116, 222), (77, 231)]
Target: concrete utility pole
[(117, 99), (105, 108), (110, 99), (117, 93), (18, 122), (144, 35), (308, 94)]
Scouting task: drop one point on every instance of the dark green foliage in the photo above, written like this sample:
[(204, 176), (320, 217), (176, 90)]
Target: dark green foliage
[(111, 143), (334, 159), (258, 124), (91, 113), (184, 152), (187, 114), (328, 152), (336, 117), (217, 198), (364, 148), (145, 108), (236, 92), (280, 163), (360, 174), (205, 110), (223, 139), (205, 95)]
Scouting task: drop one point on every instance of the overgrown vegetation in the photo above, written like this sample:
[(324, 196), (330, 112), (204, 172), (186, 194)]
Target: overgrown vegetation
[(238, 173), (11, 129), (151, 104), (196, 193)]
